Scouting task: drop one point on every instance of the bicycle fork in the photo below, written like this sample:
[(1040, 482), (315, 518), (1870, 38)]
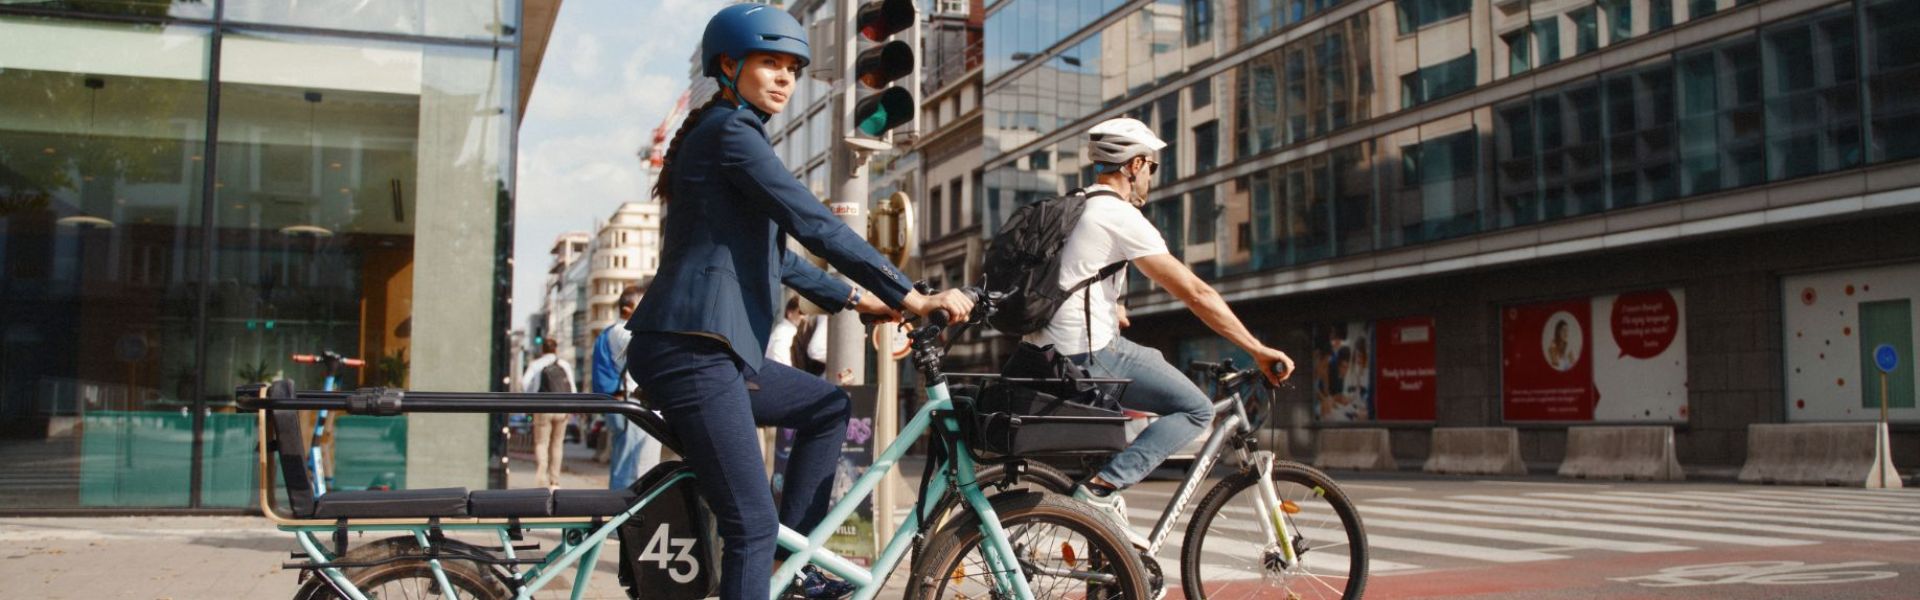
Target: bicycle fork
[(1272, 510)]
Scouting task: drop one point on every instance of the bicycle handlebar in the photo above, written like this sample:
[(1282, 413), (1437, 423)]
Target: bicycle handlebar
[(314, 359)]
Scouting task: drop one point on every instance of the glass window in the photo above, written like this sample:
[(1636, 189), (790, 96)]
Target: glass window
[(1353, 197), (1433, 195), (1168, 216), (1697, 9), (1415, 14), (1519, 55), (1299, 121), (1258, 18), (1586, 30), (1660, 14), (485, 19), (1547, 32), (1893, 77), (1813, 96), (1268, 222), (102, 153), (1720, 118), (1619, 20), (1200, 94), (1205, 216), (1199, 21), (1206, 146), (1437, 81), (1639, 116), (1309, 226), (1570, 162), (954, 201), (935, 210), (1169, 112), (1258, 110), (1515, 179), (1040, 160)]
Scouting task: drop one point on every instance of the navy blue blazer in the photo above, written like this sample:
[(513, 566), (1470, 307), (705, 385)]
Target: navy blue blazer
[(724, 255)]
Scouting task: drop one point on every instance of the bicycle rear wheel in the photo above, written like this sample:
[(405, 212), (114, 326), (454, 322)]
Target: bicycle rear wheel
[(409, 576), (1226, 556), (1065, 549)]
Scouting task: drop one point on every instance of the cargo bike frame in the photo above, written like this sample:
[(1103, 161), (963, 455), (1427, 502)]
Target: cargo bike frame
[(585, 519)]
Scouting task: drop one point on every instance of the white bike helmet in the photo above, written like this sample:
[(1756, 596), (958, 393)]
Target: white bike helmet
[(1116, 141)]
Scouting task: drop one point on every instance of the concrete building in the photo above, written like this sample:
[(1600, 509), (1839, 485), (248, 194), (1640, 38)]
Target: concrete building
[(565, 302), (1529, 214), (626, 251)]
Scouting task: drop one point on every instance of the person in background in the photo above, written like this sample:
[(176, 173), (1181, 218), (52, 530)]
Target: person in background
[(633, 452), (548, 374)]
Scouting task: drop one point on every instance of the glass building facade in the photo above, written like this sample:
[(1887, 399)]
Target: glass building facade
[(191, 192), (1303, 131)]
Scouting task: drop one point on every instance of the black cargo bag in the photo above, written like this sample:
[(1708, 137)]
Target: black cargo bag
[(668, 550), (1015, 419)]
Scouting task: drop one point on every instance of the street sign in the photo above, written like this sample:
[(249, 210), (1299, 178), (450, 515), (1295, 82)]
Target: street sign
[(1885, 357), (898, 345)]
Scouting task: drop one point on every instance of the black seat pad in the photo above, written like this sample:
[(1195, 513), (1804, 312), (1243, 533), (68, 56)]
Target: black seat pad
[(436, 502), (592, 503), (536, 502)]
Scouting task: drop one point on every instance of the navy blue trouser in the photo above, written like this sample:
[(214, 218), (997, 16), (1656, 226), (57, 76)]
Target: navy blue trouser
[(703, 392)]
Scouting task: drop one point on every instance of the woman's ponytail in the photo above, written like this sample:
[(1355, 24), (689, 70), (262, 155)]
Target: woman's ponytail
[(663, 187)]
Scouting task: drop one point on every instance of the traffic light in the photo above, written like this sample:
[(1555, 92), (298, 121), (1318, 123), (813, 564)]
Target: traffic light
[(878, 67)]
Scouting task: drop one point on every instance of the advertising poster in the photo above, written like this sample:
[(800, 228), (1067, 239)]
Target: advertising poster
[(1831, 324), (855, 540), (1373, 370), (1607, 358), (1343, 371), (1405, 375)]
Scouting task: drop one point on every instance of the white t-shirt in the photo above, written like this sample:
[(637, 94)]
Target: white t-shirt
[(1111, 230)]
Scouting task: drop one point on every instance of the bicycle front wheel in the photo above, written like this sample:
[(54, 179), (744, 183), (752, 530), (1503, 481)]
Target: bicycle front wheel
[(1065, 550), (1228, 556)]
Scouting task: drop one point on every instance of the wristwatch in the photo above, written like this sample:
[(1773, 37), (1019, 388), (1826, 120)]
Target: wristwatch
[(853, 299)]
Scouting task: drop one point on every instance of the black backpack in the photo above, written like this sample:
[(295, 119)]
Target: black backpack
[(1023, 262), (553, 379)]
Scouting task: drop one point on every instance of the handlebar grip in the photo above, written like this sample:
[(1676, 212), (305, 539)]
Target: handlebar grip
[(1200, 365), (353, 362), (305, 358)]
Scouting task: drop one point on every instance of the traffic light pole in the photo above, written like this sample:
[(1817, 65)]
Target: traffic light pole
[(846, 355)]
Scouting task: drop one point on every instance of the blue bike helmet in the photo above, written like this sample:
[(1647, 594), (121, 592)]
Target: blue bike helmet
[(743, 28)]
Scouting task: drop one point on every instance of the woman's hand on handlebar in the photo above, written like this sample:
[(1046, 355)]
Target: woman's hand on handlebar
[(1276, 365), (871, 305), (956, 303)]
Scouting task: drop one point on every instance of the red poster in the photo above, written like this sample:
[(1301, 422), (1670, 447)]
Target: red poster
[(1546, 361), (1405, 366)]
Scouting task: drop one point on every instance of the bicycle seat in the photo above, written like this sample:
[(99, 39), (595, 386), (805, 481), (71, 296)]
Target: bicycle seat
[(435, 502)]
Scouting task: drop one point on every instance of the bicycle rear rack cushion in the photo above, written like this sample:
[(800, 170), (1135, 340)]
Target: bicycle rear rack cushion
[(536, 502), (592, 503), (395, 504)]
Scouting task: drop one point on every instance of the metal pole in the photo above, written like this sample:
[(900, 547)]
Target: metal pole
[(846, 356), (886, 426)]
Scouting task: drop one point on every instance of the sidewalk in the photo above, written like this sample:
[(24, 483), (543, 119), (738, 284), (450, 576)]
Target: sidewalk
[(213, 558)]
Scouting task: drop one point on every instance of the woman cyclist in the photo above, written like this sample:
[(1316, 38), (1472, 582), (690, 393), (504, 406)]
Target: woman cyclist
[(700, 333)]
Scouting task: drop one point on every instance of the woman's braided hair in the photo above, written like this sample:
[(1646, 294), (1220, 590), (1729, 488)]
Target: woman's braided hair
[(663, 186)]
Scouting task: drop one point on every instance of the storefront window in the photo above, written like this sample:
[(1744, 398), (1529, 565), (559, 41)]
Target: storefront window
[(483, 19), (102, 130)]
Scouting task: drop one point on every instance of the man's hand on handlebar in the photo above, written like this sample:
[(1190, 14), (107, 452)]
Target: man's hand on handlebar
[(1276, 365), (956, 303)]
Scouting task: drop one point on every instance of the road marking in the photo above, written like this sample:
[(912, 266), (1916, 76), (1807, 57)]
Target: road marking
[(1760, 573), (1635, 505), (1584, 486), (1407, 544), (1479, 504), (1666, 500), (1373, 508), (1746, 500), (1696, 514)]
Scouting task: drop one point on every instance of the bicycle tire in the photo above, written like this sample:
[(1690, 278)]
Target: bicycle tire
[(1303, 485), (1025, 516), (471, 579)]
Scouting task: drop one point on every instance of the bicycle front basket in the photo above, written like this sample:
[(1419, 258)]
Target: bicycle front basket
[(1014, 419)]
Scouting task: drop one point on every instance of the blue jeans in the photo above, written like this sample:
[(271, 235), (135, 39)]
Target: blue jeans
[(1159, 388), (704, 393)]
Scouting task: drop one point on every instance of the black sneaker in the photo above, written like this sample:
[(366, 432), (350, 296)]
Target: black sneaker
[(814, 584)]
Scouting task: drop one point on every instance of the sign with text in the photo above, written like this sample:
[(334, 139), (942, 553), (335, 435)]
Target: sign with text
[(1606, 358), (1374, 370)]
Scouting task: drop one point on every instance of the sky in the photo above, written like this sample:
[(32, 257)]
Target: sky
[(612, 70)]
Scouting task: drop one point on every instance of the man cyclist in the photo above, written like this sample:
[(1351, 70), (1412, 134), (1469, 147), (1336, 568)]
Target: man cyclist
[(1112, 229)]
